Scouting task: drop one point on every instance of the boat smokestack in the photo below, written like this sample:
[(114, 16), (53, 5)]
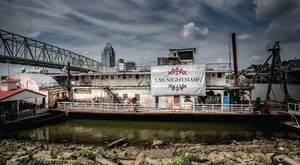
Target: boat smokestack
[(235, 66)]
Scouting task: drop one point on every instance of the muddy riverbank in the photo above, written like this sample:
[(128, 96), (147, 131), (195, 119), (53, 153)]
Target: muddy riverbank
[(257, 151)]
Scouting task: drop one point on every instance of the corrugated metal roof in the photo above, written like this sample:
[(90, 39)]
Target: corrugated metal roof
[(43, 80)]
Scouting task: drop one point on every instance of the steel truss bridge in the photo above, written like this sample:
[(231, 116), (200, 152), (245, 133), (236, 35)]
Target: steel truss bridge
[(17, 49)]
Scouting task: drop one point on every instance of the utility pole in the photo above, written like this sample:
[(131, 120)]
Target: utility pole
[(7, 67)]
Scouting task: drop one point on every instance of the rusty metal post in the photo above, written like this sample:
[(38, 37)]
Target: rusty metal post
[(235, 66)]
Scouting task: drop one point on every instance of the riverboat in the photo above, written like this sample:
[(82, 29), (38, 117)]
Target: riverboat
[(175, 83)]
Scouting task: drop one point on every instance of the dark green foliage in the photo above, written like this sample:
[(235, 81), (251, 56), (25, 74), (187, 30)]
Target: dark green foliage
[(36, 162), (214, 163), (187, 159), (2, 160), (87, 154), (114, 158)]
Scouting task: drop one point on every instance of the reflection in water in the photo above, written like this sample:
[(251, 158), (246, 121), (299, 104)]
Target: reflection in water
[(99, 131)]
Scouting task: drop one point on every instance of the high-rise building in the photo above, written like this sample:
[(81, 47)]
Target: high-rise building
[(108, 56)]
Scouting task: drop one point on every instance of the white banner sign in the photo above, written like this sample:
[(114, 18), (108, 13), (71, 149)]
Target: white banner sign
[(178, 80)]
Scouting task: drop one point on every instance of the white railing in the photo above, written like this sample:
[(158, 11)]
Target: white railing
[(218, 66), (69, 106), (31, 112), (22, 114), (294, 108)]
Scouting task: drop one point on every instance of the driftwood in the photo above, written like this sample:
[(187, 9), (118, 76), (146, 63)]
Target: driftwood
[(114, 143)]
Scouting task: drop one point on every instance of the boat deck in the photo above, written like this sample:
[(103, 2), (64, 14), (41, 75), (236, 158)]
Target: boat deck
[(171, 115), (191, 112), (152, 112)]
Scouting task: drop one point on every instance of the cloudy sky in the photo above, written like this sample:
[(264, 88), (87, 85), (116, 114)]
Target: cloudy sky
[(142, 30)]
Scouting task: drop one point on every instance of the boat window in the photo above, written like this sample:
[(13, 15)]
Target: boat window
[(187, 99), (112, 77), (124, 76), (137, 76), (176, 100), (130, 76), (219, 75), (213, 75), (156, 100), (125, 96), (137, 96)]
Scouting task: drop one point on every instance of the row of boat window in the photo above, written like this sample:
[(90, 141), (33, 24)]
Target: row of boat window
[(219, 75), (103, 77)]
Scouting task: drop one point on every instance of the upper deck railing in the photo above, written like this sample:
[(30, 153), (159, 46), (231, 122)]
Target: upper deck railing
[(209, 66), (218, 66)]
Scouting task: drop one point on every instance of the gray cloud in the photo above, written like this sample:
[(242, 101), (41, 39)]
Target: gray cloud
[(270, 9), (142, 30), (245, 37), (190, 31), (229, 9), (278, 30), (284, 19), (257, 59)]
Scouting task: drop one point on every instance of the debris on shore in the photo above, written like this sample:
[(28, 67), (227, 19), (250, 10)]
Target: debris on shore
[(258, 151)]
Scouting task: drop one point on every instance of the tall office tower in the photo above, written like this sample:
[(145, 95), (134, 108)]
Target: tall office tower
[(108, 56)]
